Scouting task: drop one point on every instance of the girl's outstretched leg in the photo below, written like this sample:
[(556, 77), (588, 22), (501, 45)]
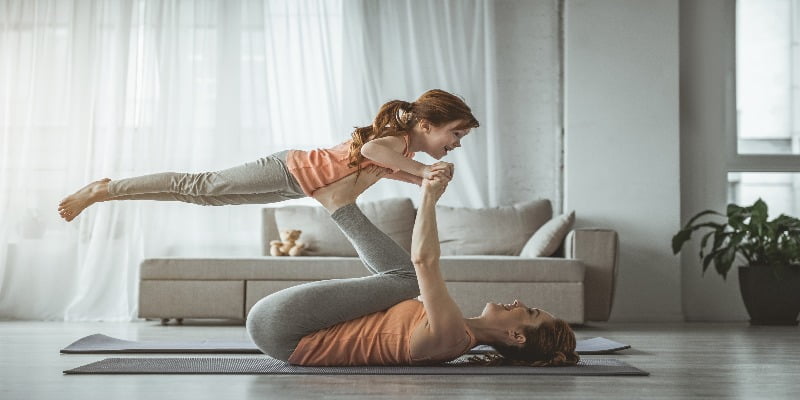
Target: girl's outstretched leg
[(266, 180), (72, 205)]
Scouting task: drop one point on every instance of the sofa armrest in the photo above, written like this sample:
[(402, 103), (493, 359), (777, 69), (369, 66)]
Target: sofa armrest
[(598, 250)]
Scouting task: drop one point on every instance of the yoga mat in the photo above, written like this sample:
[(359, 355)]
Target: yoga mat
[(102, 344), (267, 365)]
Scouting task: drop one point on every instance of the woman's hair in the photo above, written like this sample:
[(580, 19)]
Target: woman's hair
[(550, 344), (397, 117)]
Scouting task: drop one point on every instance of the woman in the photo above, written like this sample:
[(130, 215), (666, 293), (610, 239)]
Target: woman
[(377, 320)]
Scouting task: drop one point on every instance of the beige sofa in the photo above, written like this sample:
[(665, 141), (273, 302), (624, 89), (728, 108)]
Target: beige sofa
[(486, 256)]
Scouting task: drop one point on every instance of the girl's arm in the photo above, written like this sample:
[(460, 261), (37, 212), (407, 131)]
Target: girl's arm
[(404, 177), (388, 152), (444, 317)]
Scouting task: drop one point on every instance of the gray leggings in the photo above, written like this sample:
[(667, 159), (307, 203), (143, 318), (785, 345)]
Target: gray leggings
[(277, 322), (266, 180)]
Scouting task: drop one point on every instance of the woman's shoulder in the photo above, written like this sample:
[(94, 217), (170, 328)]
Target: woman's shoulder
[(427, 347)]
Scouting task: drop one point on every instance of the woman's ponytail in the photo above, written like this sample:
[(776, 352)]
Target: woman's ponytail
[(551, 344)]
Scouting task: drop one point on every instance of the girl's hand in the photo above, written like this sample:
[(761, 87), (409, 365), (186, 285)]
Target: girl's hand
[(441, 168)]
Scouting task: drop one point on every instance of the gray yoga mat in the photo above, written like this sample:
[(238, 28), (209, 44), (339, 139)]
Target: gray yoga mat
[(102, 344), (267, 365)]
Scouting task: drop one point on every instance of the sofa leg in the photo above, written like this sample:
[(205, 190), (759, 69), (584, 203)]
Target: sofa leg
[(164, 321), (179, 320)]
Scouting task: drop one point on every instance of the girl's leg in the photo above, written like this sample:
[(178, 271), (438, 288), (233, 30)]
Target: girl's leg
[(221, 200), (277, 322), (267, 178), (265, 175)]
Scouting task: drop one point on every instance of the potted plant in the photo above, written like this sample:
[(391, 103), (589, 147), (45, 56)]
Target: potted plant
[(770, 280)]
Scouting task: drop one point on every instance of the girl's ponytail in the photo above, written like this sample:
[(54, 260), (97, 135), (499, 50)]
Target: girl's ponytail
[(394, 118)]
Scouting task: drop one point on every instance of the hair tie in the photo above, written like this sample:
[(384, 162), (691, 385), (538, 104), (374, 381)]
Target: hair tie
[(403, 116)]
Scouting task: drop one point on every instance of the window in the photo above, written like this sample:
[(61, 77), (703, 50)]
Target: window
[(764, 160)]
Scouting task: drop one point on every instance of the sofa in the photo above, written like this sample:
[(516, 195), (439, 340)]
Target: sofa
[(488, 255)]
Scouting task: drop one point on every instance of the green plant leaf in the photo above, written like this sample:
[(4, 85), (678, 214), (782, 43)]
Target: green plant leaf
[(707, 260), (700, 214), (685, 234), (679, 239), (704, 242), (759, 212), (724, 260), (734, 209)]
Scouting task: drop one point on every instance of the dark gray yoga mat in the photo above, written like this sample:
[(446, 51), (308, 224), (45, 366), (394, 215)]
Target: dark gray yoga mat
[(102, 344), (267, 365)]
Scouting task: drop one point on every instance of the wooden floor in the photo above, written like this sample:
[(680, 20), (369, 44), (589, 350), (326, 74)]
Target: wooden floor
[(687, 360)]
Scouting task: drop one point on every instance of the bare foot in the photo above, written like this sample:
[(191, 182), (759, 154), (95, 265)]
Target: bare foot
[(346, 190), (72, 205)]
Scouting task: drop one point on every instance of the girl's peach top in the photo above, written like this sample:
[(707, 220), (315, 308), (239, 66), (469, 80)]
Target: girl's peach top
[(320, 167)]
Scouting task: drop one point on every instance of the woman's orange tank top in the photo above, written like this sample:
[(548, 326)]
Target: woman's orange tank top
[(320, 167), (381, 338)]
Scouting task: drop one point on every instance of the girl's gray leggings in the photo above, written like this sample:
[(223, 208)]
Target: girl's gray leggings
[(266, 180), (277, 322)]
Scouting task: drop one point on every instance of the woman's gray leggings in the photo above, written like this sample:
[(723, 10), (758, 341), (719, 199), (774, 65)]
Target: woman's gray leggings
[(266, 180), (277, 322)]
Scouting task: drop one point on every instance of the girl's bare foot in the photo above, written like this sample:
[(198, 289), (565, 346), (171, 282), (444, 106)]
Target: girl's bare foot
[(346, 190), (72, 205)]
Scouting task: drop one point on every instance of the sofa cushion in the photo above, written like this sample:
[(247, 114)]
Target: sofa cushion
[(546, 240), (454, 269), (490, 231), (395, 217)]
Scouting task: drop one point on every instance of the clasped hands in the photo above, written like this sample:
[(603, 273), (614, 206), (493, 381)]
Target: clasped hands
[(436, 182)]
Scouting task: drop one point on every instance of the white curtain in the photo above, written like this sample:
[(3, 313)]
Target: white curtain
[(115, 88)]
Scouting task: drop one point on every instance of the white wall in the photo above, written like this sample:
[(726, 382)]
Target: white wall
[(707, 63), (529, 101), (621, 118)]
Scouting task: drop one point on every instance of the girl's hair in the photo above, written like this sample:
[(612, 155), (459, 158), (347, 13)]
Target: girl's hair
[(397, 117), (550, 344)]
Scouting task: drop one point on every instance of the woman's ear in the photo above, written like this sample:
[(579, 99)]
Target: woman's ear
[(516, 337)]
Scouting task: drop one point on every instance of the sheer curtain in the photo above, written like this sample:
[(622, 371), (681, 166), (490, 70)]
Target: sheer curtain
[(399, 49), (93, 89)]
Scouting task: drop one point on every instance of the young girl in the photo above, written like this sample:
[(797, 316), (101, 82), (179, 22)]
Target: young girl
[(433, 124)]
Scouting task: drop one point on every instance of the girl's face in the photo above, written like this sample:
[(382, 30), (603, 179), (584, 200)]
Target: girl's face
[(440, 140)]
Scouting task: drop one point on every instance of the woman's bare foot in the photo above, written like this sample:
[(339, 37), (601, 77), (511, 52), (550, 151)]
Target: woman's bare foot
[(346, 190), (72, 205)]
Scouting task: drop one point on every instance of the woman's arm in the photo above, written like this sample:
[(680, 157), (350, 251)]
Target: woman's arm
[(445, 318)]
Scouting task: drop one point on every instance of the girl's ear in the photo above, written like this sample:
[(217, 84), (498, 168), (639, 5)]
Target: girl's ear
[(424, 125)]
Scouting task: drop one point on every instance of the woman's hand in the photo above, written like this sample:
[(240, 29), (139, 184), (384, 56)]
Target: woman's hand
[(436, 186)]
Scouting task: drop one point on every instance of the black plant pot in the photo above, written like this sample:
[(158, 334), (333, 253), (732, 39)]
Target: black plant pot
[(771, 299)]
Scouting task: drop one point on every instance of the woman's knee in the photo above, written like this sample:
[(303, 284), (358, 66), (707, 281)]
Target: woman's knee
[(261, 325), (267, 326)]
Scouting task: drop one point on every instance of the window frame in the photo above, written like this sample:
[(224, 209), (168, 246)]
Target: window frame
[(735, 161)]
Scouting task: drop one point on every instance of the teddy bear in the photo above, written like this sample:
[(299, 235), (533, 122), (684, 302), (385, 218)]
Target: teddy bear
[(288, 245)]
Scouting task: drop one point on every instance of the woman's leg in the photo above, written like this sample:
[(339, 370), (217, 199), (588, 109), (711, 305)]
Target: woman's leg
[(277, 322), (265, 180)]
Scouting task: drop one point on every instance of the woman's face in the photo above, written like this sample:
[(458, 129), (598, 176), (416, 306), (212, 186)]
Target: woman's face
[(440, 140), (514, 315)]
